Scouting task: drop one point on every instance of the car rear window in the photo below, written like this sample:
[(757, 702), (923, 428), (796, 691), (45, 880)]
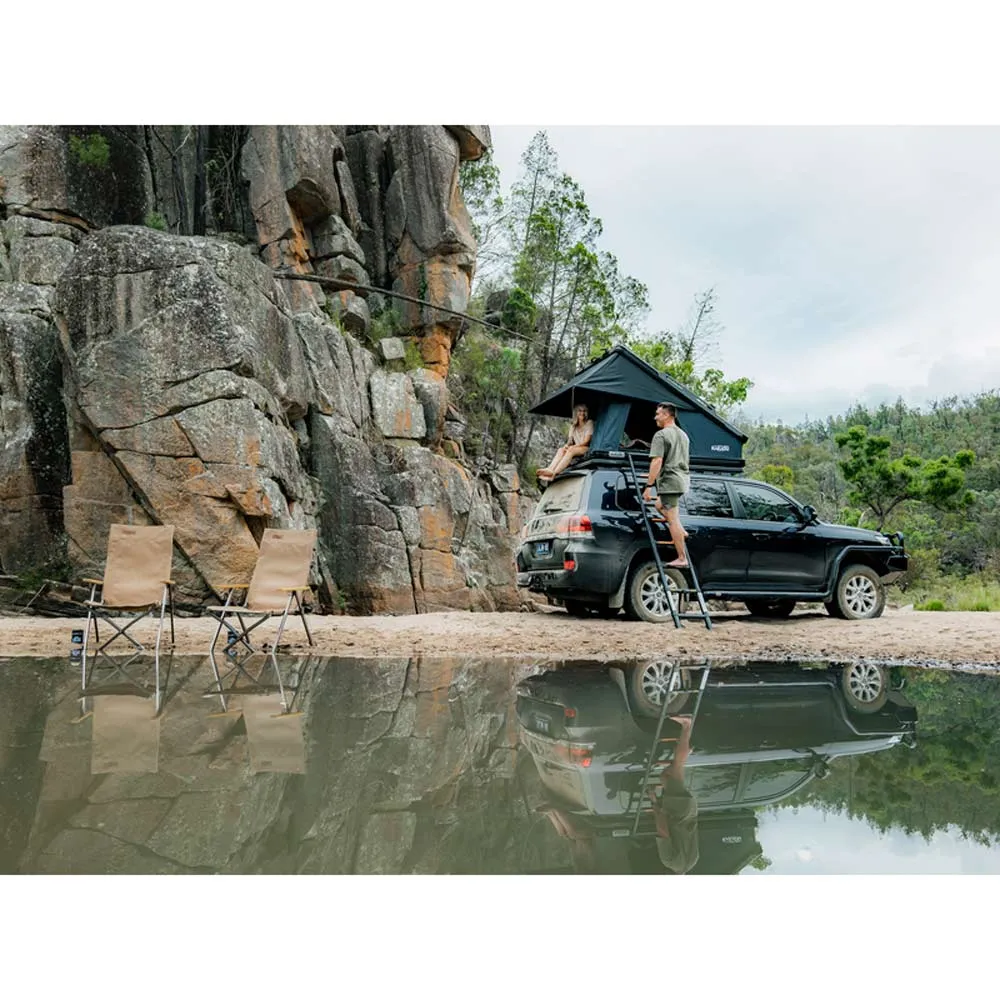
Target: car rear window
[(707, 498), (562, 497)]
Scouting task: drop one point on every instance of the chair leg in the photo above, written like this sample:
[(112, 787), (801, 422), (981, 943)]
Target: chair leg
[(156, 653), (83, 655), (302, 615), (173, 639), (284, 618)]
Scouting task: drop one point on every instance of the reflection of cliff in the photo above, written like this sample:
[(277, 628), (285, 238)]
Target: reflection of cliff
[(25, 694), (410, 767), (169, 377)]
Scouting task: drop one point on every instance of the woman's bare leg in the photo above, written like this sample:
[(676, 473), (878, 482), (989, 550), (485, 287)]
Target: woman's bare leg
[(568, 455)]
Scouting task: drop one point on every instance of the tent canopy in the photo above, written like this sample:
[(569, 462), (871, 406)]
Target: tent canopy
[(621, 392)]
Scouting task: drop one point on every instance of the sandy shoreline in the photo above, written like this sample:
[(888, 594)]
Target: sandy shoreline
[(933, 638)]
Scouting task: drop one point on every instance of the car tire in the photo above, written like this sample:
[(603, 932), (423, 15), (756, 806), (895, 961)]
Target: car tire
[(644, 597), (578, 609), (859, 594), (780, 608), (865, 687), (649, 681)]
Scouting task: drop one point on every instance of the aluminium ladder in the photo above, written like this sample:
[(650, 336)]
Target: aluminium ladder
[(661, 750), (632, 479)]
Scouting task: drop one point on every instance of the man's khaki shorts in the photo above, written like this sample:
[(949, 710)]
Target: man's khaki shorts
[(668, 501)]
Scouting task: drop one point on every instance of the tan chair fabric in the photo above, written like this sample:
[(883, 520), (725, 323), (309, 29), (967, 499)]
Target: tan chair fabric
[(138, 565), (283, 561), (126, 735)]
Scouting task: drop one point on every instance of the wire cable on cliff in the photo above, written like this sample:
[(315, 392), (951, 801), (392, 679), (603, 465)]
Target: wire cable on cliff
[(342, 285)]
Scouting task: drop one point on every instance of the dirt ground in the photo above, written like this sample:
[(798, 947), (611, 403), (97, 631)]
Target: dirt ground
[(970, 639)]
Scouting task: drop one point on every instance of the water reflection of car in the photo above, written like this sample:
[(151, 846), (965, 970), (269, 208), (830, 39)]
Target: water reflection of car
[(761, 734)]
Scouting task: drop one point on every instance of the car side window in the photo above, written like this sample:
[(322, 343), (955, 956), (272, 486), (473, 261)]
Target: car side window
[(707, 498), (761, 504)]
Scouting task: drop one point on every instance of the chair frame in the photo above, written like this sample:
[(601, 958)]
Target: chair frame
[(97, 610), (243, 613)]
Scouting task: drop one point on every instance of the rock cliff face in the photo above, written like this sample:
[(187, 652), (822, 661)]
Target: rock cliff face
[(154, 369)]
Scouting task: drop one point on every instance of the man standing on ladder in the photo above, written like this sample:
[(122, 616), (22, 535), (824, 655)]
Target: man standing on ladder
[(668, 472)]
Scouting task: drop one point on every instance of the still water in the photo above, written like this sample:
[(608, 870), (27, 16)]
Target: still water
[(463, 765)]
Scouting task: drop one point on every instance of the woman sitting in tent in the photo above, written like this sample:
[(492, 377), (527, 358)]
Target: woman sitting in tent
[(577, 444)]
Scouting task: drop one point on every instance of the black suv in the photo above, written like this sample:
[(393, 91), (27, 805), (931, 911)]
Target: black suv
[(586, 546)]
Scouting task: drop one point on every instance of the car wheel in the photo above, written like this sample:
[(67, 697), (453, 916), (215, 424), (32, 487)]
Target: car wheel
[(860, 593), (651, 682), (865, 687), (645, 599), (771, 609), (578, 609)]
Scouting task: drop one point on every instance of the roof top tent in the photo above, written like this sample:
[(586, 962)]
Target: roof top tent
[(621, 392)]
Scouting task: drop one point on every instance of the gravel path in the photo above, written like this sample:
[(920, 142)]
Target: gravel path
[(945, 638)]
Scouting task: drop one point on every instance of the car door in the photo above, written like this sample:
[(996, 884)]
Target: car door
[(784, 553), (716, 545)]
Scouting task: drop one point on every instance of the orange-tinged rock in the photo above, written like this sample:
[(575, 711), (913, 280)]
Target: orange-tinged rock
[(436, 528)]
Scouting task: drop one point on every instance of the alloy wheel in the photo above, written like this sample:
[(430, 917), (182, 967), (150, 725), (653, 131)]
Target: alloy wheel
[(865, 682), (860, 595), (659, 680)]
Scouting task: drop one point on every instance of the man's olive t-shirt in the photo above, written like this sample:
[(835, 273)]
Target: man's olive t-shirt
[(671, 444)]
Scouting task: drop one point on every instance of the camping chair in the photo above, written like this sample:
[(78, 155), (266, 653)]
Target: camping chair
[(136, 583), (280, 575)]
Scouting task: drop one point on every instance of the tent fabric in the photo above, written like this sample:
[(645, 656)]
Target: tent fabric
[(621, 390)]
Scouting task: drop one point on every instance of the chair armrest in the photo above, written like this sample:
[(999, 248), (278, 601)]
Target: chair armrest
[(90, 579), (293, 590), (231, 586)]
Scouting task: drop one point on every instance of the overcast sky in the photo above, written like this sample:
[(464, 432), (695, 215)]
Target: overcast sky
[(851, 264)]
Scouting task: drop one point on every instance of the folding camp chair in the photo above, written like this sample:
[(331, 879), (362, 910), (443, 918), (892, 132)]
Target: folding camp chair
[(281, 574), (136, 584)]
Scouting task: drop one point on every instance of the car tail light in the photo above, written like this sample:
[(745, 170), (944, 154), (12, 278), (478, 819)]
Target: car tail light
[(569, 565), (569, 713), (582, 755), (575, 526)]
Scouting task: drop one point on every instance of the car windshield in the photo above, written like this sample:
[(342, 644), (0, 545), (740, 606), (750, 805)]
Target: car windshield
[(561, 497)]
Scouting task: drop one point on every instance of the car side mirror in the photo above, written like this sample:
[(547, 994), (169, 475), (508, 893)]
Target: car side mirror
[(809, 513)]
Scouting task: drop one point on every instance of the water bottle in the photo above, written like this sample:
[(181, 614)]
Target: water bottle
[(76, 645)]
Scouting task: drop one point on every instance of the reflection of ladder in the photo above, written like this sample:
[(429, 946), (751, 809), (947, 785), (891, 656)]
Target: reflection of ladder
[(632, 480), (661, 750)]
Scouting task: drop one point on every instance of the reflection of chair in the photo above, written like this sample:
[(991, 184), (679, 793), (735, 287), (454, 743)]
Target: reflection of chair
[(126, 736), (242, 676), (275, 737), (274, 725), (136, 583), (280, 575)]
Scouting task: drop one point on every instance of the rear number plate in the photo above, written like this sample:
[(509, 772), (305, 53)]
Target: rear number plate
[(541, 723), (543, 548)]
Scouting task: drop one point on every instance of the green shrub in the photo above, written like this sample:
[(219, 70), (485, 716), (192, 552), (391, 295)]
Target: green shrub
[(931, 606), (413, 358), (981, 606), (155, 221), (91, 150)]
